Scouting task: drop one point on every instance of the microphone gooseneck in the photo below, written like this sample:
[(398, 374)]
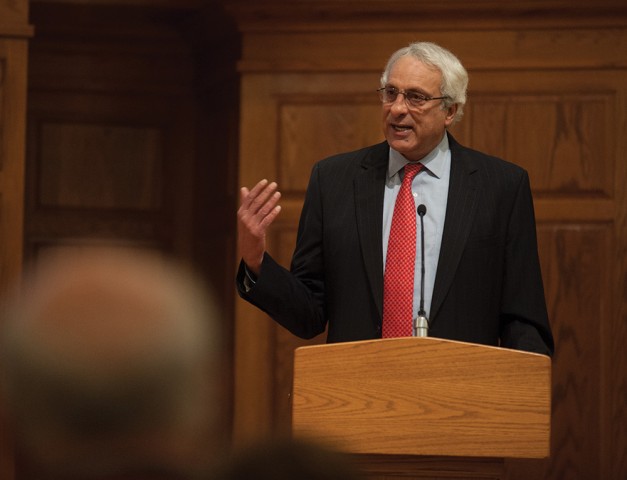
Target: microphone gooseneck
[(421, 324)]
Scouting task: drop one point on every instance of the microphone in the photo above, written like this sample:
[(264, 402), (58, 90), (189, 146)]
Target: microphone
[(421, 324)]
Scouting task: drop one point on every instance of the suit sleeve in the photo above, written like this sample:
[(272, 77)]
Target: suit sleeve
[(524, 317)]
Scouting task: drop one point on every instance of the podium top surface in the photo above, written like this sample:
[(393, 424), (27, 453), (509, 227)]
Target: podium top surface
[(424, 396)]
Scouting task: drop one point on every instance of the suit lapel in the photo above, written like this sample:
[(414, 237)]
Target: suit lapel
[(369, 192), (460, 212)]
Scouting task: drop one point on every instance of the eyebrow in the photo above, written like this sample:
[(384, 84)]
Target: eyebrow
[(415, 89)]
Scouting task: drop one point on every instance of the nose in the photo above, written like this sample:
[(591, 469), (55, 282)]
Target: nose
[(399, 106)]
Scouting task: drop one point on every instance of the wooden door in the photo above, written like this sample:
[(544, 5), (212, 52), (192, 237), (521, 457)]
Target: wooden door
[(548, 91)]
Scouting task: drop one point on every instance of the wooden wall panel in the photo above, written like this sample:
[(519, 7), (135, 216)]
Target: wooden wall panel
[(524, 44), (14, 18), (561, 140), (574, 261), (323, 126), (80, 166), (131, 116), (548, 91), (109, 166), (284, 343)]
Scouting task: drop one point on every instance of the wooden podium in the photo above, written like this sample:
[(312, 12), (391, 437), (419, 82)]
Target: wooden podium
[(424, 407)]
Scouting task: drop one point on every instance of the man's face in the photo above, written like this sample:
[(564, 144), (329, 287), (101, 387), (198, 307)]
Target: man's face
[(414, 132)]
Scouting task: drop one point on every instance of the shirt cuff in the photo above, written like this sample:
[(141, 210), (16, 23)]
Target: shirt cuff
[(249, 279)]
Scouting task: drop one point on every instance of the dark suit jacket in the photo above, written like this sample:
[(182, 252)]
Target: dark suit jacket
[(488, 288)]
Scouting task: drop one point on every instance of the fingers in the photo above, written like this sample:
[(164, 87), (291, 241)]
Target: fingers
[(256, 198), (248, 196), (268, 218), (258, 209), (261, 202)]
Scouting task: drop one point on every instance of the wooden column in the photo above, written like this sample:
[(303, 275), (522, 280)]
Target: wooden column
[(14, 34)]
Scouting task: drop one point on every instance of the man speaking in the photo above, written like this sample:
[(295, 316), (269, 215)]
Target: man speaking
[(415, 235)]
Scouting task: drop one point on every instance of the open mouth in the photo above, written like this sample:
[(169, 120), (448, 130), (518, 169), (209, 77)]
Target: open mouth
[(401, 128)]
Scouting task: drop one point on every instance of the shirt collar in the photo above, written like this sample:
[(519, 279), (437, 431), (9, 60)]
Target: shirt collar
[(434, 161)]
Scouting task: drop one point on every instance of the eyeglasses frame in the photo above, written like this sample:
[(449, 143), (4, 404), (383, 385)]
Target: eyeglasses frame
[(404, 93)]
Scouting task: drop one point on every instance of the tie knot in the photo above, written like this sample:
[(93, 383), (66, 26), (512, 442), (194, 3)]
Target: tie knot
[(411, 170)]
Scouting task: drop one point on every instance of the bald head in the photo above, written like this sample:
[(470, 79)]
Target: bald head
[(110, 355)]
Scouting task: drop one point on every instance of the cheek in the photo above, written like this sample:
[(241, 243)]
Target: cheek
[(384, 119), (384, 114), (436, 119)]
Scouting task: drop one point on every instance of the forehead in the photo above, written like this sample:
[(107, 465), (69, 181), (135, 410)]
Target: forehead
[(409, 72)]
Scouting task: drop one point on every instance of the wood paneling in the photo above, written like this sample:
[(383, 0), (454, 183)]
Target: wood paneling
[(80, 166), (132, 137), (303, 125), (548, 91), (111, 117), (561, 140), (126, 130), (14, 18), (574, 261), (14, 35), (13, 58)]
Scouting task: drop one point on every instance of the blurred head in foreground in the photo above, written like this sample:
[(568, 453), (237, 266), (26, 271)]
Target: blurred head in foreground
[(288, 459), (109, 363)]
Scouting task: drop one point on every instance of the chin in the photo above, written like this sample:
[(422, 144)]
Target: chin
[(402, 147)]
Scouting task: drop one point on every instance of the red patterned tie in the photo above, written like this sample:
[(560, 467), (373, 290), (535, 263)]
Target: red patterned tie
[(398, 281)]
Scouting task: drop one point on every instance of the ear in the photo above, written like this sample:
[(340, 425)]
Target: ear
[(450, 115)]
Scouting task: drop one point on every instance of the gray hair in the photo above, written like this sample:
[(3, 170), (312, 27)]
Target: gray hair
[(454, 75)]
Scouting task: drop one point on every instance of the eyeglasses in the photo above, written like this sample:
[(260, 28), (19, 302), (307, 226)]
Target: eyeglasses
[(413, 99)]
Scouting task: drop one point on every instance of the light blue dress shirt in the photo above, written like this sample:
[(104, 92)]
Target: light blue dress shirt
[(430, 188)]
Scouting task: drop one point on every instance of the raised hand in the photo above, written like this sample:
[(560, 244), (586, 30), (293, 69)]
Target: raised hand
[(258, 209)]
